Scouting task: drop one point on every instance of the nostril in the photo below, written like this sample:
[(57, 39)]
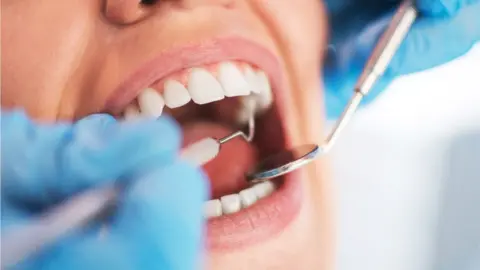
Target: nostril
[(125, 12), (148, 2)]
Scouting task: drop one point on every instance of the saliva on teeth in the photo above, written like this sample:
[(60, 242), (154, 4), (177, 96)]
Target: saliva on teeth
[(233, 203), (230, 80)]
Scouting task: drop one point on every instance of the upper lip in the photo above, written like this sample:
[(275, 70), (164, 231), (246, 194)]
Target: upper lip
[(195, 55)]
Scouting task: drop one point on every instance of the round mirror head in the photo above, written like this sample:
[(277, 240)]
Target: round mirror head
[(283, 162)]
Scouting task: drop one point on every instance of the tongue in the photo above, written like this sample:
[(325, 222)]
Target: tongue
[(227, 170)]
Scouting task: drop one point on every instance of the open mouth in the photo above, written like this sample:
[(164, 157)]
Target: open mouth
[(209, 100)]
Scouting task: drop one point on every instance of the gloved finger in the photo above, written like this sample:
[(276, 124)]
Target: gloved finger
[(83, 250), (162, 217), (345, 61), (424, 46), (12, 216), (44, 162), (442, 8), (92, 254), (434, 41)]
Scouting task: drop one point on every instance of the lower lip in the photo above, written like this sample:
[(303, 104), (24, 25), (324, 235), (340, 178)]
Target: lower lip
[(260, 222)]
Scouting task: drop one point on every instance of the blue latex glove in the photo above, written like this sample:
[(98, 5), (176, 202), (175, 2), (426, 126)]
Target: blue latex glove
[(444, 30), (158, 223)]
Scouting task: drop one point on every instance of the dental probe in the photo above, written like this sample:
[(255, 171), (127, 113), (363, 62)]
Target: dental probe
[(23, 241), (289, 160)]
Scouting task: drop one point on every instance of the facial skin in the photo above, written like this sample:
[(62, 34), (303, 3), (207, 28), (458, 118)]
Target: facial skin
[(62, 60)]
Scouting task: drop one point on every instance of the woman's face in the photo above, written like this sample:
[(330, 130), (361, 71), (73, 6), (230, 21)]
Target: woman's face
[(64, 60)]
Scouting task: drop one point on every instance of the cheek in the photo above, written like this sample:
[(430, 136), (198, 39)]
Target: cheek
[(42, 45), (300, 26)]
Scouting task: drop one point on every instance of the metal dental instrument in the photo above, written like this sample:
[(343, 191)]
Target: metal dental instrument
[(207, 149), (23, 241), (289, 160)]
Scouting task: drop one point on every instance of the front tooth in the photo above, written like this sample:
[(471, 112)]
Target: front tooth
[(252, 80), (247, 197), (264, 189), (175, 94), (203, 87), (151, 103), (232, 80), (131, 112), (265, 96), (230, 203), (213, 208)]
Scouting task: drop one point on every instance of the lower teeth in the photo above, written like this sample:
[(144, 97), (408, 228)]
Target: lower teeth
[(233, 203)]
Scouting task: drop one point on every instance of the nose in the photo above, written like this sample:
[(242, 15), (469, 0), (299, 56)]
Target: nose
[(124, 12)]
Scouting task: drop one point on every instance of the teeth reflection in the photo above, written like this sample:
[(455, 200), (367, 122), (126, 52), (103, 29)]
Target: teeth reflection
[(252, 80), (243, 113), (265, 95)]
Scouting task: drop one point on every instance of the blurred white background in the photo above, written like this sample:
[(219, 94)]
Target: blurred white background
[(407, 174)]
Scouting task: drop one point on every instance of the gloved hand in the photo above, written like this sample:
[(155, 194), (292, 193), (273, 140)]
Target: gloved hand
[(444, 30), (158, 221)]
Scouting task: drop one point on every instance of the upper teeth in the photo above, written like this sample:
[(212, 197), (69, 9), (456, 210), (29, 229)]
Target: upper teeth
[(203, 87), (150, 102), (233, 81), (175, 94)]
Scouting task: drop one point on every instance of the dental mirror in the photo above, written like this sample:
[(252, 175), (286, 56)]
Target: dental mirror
[(289, 160), (283, 163)]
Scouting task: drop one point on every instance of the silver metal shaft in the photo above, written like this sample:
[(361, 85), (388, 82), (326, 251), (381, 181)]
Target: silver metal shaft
[(251, 125), (387, 46), (376, 65)]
